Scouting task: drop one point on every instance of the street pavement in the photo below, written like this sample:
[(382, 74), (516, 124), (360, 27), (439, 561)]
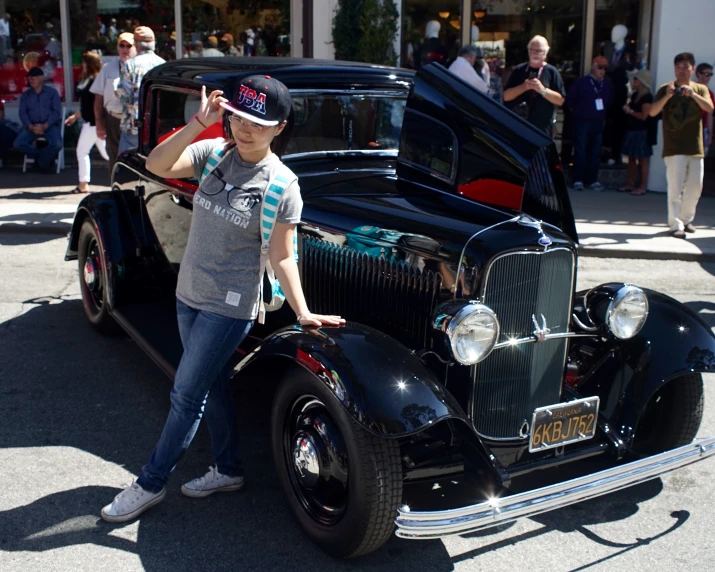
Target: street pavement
[(81, 413), (609, 223)]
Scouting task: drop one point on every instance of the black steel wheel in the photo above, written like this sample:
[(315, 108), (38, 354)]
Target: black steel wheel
[(672, 417), (343, 484), (92, 280)]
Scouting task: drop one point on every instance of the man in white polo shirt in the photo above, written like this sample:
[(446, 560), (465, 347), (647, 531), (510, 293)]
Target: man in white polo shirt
[(107, 107), (463, 67)]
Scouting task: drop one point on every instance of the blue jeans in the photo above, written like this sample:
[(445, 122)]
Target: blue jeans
[(45, 156), (588, 137), (201, 389), (128, 141)]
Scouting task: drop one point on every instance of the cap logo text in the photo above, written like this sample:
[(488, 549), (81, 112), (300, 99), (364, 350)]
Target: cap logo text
[(252, 100)]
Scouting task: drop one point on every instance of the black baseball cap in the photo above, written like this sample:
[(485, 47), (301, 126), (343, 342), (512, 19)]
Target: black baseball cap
[(261, 99), (35, 72)]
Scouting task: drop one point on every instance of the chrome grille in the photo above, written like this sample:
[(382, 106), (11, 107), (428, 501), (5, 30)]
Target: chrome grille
[(366, 287), (513, 381)]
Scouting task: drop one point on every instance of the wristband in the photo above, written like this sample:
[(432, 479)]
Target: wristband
[(200, 123), (543, 92)]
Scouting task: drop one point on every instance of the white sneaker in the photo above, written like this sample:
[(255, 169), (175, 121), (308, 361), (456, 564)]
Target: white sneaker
[(211, 482), (130, 503), (596, 186), (577, 186)]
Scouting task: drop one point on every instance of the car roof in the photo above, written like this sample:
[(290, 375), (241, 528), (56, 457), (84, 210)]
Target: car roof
[(296, 73)]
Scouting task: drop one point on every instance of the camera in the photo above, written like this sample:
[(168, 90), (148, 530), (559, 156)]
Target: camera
[(678, 90)]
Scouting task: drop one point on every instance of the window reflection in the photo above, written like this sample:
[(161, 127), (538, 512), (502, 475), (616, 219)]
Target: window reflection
[(34, 39), (341, 123), (230, 28), (430, 32)]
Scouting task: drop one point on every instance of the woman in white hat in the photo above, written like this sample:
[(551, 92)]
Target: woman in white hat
[(635, 140)]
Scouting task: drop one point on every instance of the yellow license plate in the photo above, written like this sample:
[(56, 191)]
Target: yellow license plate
[(564, 423)]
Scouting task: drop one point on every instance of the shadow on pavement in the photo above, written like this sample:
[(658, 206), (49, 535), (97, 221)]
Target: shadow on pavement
[(64, 385)]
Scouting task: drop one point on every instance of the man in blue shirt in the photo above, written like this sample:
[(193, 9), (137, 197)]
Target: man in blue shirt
[(588, 99), (40, 114)]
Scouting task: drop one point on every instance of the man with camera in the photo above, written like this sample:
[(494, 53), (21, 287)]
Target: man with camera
[(681, 102)]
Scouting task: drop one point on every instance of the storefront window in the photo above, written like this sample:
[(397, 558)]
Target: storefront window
[(227, 27), (34, 40), (430, 31), (503, 30), (622, 31)]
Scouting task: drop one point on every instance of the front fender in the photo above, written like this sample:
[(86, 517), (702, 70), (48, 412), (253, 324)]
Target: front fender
[(382, 384), (674, 341)]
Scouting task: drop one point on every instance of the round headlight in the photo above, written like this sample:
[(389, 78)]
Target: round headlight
[(472, 333), (627, 312)]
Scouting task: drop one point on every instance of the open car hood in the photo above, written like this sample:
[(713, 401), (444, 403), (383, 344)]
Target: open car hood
[(457, 139)]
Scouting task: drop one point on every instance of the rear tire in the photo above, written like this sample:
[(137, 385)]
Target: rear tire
[(672, 417), (93, 280), (342, 484)]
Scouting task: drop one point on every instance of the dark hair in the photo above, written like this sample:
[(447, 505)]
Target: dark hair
[(93, 62), (280, 141), (684, 57), (702, 67)]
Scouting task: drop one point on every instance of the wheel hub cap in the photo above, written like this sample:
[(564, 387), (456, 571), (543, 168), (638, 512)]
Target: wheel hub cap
[(306, 461), (90, 273)]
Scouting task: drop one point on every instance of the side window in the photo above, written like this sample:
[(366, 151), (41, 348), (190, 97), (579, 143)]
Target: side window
[(332, 122), (428, 145), (173, 111)]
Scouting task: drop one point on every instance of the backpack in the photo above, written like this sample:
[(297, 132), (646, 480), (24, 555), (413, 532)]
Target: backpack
[(281, 178)]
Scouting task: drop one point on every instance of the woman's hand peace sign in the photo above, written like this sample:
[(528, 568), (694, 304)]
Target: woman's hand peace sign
[(210, 111)]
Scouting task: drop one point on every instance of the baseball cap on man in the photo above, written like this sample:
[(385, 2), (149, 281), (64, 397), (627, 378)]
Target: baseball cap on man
[(227, 38), (35, 72), (143, 34), (261, 99), (212, 41), (600, 61), (125, 37)]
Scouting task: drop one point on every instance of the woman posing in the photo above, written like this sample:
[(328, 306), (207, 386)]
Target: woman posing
[(91, 66), (218, 290), (635, 140)]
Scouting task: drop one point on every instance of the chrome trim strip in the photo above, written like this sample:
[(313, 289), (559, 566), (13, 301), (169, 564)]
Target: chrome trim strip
[(533, 340), (344, 153), (439, 524), (464, 249), (336, 171), (399, 93)]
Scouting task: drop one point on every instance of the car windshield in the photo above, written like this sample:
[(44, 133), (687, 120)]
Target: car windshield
[(336, 122)]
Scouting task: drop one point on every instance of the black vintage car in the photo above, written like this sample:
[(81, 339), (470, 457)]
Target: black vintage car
[(438, 223)]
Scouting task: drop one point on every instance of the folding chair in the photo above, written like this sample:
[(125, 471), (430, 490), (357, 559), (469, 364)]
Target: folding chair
[(60, 156)]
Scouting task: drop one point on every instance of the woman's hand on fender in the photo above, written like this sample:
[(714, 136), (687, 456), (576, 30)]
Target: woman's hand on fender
[(210, 111), (309, 319)]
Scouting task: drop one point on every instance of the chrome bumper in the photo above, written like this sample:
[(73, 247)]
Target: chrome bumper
[(437, 524)]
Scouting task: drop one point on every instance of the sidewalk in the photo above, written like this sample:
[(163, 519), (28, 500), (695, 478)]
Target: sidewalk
[(610, 224)]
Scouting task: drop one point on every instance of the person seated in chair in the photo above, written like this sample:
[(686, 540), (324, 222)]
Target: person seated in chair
[(41, 116)]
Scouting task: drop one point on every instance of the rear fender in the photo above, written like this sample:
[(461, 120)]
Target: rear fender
[(673, 342), (130, 255)]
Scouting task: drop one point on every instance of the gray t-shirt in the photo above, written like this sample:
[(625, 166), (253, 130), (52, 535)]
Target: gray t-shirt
[(219, 271)]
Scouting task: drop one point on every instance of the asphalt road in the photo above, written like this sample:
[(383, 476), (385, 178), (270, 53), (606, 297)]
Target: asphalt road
[(79, 414)]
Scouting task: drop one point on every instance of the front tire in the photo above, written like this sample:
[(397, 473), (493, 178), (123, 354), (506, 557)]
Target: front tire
[(92, 280), (672, 417), (342, 484)]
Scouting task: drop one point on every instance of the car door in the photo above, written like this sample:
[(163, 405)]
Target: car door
[(460, 141)]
